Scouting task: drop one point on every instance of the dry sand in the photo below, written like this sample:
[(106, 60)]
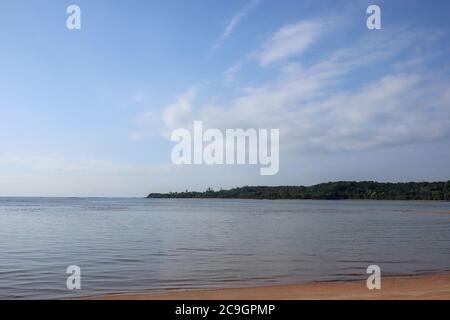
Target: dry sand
[(405, 287)]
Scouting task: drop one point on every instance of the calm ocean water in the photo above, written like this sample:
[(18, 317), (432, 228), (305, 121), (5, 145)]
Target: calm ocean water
[(140, 245)]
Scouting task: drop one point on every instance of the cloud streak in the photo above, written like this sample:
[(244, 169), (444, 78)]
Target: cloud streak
[(290, 40), (233, 23), (316, 109)]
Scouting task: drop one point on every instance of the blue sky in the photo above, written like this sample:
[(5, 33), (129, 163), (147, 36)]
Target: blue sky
[(88, 112)]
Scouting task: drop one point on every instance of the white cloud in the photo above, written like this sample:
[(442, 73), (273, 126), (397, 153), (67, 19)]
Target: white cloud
[(235, 20), (290, 40), (138, 98), (175, 114), (231, 71), (62, 175), (316, 109), (65, 164)]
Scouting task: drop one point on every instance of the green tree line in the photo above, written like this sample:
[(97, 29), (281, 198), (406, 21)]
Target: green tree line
[(328, 191)]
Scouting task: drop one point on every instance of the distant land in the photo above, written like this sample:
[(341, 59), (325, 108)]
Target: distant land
[(361, 190)]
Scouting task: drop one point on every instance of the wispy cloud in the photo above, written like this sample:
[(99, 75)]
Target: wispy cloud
[(138, 98), (317, 110), (290, 40), (235, 20), (175, 114), (63, 175), (231, 71), (61, 163)]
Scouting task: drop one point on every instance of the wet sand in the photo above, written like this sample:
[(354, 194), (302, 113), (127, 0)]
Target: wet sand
[(421, 287)]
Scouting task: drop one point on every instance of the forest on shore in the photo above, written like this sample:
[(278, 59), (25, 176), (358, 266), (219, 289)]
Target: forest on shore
[(327, 191)]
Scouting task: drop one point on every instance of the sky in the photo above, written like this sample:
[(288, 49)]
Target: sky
[(89, 112)]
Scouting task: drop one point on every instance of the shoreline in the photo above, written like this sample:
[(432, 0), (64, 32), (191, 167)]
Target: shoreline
[(290, 199), (408, 287)]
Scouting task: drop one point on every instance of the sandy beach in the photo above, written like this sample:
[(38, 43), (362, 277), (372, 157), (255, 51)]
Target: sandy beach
[(421, 287)]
